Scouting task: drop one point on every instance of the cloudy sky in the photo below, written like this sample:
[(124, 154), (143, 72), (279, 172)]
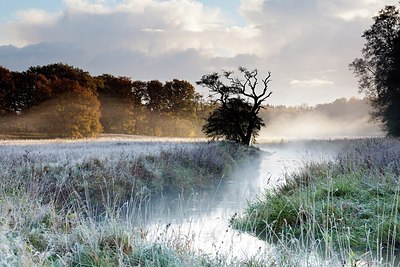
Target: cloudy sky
[(306, 44)]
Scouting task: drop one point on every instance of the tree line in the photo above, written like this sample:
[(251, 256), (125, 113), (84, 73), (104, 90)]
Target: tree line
[(58, 100)]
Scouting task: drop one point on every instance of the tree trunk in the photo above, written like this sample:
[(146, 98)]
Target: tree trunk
[(247, 138)]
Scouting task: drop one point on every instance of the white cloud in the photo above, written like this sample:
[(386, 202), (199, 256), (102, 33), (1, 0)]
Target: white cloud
[(350, 15), (352, 10), (31, 19), (153, 30), (150, 26), (38, 16), (310, 83), (88, 6), (186, 15), (251, 6)]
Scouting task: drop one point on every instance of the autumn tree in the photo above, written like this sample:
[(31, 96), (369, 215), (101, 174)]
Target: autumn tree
[(58, 100), (378, 70), (76, 112), (147, 108), (240, 100), (138, 94)]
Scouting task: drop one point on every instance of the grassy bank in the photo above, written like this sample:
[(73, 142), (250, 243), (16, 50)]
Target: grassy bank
[(118, 176), (348, 207), (69, 209)]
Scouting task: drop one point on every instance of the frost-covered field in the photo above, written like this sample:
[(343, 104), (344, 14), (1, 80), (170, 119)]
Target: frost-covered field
[(75, 203), (78, 203), (53, 151), (90, 167)]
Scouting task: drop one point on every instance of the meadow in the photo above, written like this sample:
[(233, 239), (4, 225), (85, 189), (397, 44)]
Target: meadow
[(79, 203), (87, 203)]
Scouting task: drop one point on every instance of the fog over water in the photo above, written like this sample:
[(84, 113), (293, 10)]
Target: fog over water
[(203, 217)]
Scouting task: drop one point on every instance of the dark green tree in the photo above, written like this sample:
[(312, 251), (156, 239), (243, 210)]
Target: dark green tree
[(155, 101), (119, 87), (236, 118), (170, 108), (378, 70), (117, 108), (231, 122), (138, 94), (180, 96), (31, 89)]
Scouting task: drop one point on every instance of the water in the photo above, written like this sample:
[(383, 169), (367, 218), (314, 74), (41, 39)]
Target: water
[(203, 217)]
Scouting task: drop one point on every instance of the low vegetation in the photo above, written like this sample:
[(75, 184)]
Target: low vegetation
[(348, 207), (118, 177), (85, 211), (89, 210)]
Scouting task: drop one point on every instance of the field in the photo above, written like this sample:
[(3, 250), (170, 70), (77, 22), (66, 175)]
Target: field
[(81, 203), (89, 203)]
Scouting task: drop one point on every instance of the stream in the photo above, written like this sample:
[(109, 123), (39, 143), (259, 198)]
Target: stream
[(203, 217)]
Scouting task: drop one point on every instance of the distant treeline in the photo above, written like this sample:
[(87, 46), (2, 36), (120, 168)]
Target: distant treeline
[(59, 100), (342, 108), (341, 118)]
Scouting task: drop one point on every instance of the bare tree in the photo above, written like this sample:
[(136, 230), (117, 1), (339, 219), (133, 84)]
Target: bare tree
[(240, 99)]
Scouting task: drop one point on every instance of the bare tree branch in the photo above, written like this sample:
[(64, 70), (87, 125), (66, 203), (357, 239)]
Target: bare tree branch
[(241, 101)]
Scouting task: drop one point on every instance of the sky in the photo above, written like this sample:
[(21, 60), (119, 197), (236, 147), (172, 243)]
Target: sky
[(307, 45)]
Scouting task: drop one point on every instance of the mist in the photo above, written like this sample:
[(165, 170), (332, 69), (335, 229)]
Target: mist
[(341, 119), (30, 124)]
